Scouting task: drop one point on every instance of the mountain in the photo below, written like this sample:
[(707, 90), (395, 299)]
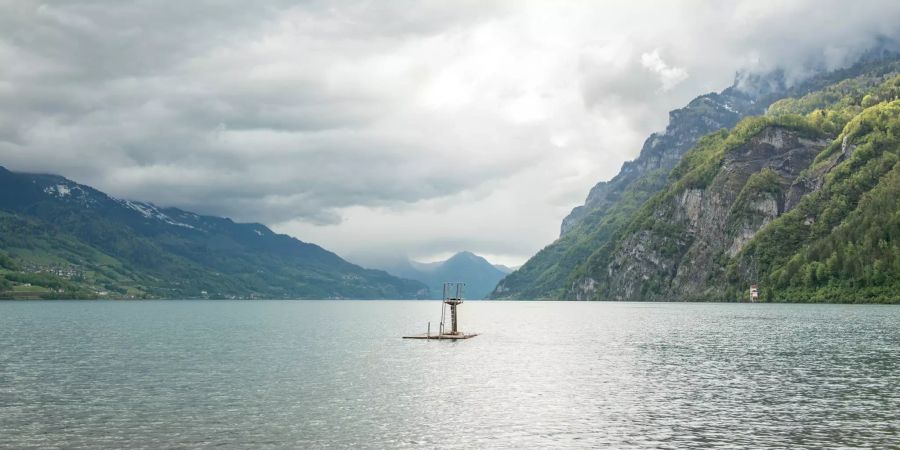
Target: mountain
[(479, 275), (58, 235), (591, 258)]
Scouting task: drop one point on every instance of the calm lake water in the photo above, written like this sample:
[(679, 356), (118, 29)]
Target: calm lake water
[(335, 374)]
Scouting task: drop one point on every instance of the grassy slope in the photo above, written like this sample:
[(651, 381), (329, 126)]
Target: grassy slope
[(28, 243)]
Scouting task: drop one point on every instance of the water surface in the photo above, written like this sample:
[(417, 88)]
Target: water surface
[(335, 374)]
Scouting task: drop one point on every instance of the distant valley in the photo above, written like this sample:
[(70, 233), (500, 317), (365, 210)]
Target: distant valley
[(478, 273)]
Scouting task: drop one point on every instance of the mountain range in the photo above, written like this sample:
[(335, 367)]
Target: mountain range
[(59, 238), (792, 188), (479, 275)]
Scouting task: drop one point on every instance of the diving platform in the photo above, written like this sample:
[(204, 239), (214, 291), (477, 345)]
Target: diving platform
[(453, 301), (453, 337)]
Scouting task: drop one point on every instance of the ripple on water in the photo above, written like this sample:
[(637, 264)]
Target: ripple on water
[(336, 375)]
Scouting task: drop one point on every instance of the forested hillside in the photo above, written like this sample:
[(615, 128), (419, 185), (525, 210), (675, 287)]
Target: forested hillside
[(61, 239)]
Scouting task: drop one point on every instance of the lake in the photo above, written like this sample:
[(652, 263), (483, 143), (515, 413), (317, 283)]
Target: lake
[(336, 374)]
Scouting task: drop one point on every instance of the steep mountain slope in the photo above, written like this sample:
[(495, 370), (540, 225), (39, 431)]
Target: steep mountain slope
[(611, 205), (479, 275), (802, 201), (842, 241), (505, 269), (51, 224)]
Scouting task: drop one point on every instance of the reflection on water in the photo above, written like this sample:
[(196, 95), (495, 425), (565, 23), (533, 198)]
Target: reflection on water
[(542, 374)]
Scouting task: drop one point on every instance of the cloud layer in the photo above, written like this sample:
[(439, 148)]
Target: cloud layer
[(368, 127)]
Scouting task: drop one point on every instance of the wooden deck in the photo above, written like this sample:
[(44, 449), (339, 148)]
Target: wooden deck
[(453, 337)]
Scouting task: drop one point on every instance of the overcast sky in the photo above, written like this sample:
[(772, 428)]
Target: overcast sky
[(373, 127)]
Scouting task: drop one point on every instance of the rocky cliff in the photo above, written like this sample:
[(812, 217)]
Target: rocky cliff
[(801, 202), (681, 245), (589, 233), (701, 116)]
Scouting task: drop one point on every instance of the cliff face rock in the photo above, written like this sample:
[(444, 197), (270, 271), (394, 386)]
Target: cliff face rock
[(694, 230), (586, 289), (762, 211), (701, 116), (813, 180)]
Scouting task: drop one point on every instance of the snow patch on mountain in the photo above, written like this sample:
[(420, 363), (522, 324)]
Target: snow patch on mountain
[(150, 211), (59, 190)]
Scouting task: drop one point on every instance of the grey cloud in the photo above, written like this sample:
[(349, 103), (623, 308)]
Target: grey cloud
[(112, 100), (286, 112)]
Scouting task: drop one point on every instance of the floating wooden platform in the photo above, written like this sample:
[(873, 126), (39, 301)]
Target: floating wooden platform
[(453, 337)]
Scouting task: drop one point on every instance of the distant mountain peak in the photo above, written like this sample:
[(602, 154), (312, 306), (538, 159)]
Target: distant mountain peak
[(479, 275), (466, 255)]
